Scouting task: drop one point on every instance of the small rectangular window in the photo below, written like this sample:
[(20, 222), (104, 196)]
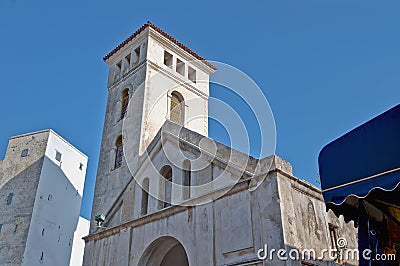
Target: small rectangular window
[(137, 55), (119, 65), (58, 156), (10, 198), (333, 235), (192, 74), (128, 59), (168, 59), (81, 166), (180, 67), (25, 152)]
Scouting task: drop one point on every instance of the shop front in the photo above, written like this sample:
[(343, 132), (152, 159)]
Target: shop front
[(360, 176)]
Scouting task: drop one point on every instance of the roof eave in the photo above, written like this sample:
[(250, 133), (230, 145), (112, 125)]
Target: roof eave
[(148, 24)]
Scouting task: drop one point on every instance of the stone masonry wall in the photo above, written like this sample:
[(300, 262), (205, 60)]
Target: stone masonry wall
[(19, 178)]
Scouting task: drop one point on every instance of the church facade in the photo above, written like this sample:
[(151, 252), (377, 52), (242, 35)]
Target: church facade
[(170, 195)]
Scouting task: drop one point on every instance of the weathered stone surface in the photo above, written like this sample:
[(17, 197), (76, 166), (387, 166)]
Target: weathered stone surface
[(283, 212), (237, 203), (40, 199), (19, 176)]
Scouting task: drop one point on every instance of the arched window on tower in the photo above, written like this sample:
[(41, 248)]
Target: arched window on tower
[(187, 176), (119, 153), (166, 172), (124, 102), (145, 196), (177, 108)]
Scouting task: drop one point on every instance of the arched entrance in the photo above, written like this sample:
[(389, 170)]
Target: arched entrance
[(165, 251)]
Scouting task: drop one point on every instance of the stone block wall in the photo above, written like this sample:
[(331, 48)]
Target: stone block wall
[(18, 184)]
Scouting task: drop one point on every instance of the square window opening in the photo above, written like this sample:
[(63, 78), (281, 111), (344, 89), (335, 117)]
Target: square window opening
[(192, 74), (137, 55), (168, 59), (58, 156), (119, 65), (25, 152), (128, 59), (180, 67)]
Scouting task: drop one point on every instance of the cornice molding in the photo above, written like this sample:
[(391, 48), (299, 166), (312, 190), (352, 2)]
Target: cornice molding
[(179, 80), (128, 75), (161, 214), (179, 51), (169, 38), (132, 43), (169, 74)]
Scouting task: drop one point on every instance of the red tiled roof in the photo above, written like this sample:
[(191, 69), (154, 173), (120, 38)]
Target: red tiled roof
[(166, 35)]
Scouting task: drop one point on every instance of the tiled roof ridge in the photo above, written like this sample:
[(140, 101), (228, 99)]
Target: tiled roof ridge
[(166, 35)]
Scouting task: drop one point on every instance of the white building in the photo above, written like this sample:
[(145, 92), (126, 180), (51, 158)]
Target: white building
[(78, 246), (161, 182), (41, 190)]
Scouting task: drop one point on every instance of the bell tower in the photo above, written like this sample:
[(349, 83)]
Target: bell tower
[(152, 78)]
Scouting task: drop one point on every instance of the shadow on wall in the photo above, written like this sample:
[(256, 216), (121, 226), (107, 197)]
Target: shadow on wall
[(37, 224), (16, 211), (165, 251)]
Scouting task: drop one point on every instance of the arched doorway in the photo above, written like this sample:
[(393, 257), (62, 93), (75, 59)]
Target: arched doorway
[(165, 251)]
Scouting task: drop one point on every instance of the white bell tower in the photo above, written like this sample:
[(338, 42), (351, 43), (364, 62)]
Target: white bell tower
[(160, 79), (175, 83)]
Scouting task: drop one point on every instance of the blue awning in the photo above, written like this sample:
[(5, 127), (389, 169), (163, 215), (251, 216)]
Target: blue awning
[(363, 160)]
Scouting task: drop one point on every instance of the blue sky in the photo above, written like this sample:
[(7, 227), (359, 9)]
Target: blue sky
[(325, 66)]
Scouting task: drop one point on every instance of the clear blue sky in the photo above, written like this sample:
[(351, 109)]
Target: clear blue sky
[(325, 66)]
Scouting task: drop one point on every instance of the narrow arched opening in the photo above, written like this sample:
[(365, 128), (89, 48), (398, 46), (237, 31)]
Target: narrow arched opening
[(187, 179), (119, 153), (124, 102), (145, 196), (166, 193), (177, 108)]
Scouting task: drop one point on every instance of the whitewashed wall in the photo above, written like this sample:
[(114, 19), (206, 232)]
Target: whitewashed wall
[(79, 245), (57, 205)]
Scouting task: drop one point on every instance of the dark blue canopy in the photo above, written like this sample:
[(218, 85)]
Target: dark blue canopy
[(364, 159)]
